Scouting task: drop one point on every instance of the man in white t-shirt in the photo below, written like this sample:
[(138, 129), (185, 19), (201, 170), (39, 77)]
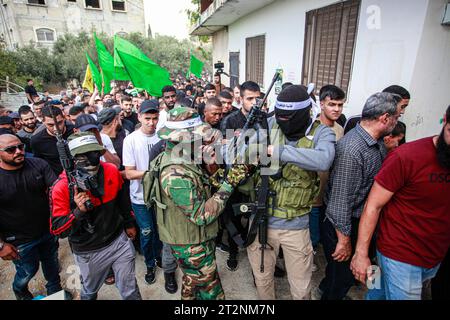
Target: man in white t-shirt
[(135, 156), (86, 123)]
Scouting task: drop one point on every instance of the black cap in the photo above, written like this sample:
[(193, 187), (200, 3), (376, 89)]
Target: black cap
[(42, 101), (107, 115), (85, 122), (149, 106), (6, 120)]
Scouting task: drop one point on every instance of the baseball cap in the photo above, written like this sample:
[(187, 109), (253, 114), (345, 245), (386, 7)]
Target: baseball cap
[(6, 120), (14, 115), (85, 122), (149, 106), (107, 115)]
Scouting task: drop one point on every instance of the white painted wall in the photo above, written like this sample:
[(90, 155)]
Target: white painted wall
[(385, 54), (430, 83), (283, 23), (220, 52), (405, 46)]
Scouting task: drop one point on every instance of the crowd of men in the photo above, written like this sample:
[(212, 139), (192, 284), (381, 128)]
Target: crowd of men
[(149, 179)]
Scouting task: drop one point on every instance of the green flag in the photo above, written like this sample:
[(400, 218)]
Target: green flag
[(196, 67), (106, 62), (144, 73), (95, 73)]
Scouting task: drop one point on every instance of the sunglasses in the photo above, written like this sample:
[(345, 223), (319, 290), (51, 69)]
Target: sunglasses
[(12, 149)]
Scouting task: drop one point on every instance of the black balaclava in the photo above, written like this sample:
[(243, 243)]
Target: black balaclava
[(298, 119), (89, 162)]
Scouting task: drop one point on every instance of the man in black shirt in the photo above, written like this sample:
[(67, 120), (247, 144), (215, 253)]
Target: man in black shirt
[(30, 91), (43, 143), (249, 93), (233, 123), (127, 110), (24, 217), (210, 92), (112, 127), (227, 103)]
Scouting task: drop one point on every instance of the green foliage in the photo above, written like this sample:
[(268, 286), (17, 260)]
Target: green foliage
[(10, 67), (194, 18), (67, 60)]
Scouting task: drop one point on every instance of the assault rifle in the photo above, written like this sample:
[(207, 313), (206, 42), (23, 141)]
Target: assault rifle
[(257, 209), (75, 178)]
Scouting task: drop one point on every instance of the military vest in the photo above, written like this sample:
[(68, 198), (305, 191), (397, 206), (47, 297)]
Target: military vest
[(173, 226), (297, 188)]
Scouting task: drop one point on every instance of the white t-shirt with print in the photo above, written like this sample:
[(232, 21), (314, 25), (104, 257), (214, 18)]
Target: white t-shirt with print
[(136, 149)]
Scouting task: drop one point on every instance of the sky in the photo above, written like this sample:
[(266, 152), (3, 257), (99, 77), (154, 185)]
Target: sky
[(168, 17)]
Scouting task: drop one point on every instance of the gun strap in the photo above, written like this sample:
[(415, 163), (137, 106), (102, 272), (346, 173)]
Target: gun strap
[(260, 209), (232, 230)]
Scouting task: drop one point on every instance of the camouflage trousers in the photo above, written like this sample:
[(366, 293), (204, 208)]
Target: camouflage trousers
[(200, 277)]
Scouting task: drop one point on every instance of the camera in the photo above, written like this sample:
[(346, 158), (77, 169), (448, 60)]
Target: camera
[(219, 65)]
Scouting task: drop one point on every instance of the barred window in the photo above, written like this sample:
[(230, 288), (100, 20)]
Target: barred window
[(45, 35), (41, 2), (118, 5), (92, 4), (330, 37), (255, 51)]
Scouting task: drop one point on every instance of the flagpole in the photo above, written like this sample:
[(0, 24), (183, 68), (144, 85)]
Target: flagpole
[(189, 68)]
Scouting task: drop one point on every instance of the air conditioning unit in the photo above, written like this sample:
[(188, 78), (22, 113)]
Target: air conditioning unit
[(446, 19)]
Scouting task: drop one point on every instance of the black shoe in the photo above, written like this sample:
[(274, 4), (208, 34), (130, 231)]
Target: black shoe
[(279, 273), (232, 262), (159, 262), (171, 283), (150, 277), (23, 295)]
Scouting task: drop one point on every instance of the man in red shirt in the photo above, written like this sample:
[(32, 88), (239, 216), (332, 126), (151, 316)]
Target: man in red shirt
[(412, 193)]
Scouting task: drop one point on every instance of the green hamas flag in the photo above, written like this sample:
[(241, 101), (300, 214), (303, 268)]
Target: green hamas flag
[(95, 73), (106, 62), (196, 67), (144, 73)]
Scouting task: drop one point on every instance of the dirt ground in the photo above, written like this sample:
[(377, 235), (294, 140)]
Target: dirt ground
[(238, 285)]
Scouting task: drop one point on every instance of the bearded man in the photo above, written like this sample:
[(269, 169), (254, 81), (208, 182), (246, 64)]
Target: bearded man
[(409, 202)]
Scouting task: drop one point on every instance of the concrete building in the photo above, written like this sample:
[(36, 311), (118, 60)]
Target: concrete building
[(362, 46), (43, 21)]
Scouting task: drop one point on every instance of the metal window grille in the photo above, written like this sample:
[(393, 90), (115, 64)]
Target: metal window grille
[(330, 36), (118, 5), (45, 35), (254, 70)]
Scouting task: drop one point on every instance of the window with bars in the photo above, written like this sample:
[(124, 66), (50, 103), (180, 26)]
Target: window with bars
[(92, 4), (118, 5), (45, 35), (41, 2), (254, 62), (330, 37)]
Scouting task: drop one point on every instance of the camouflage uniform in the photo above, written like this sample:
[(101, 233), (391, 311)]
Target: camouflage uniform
[(187, 212)]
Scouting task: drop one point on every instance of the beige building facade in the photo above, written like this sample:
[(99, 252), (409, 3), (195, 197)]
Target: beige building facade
[(41, 22)]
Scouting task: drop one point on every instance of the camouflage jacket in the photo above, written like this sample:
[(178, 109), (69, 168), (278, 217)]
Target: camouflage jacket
[(191, 211)]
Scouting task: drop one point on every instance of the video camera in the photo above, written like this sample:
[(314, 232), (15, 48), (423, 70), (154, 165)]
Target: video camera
[(219, 65)]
